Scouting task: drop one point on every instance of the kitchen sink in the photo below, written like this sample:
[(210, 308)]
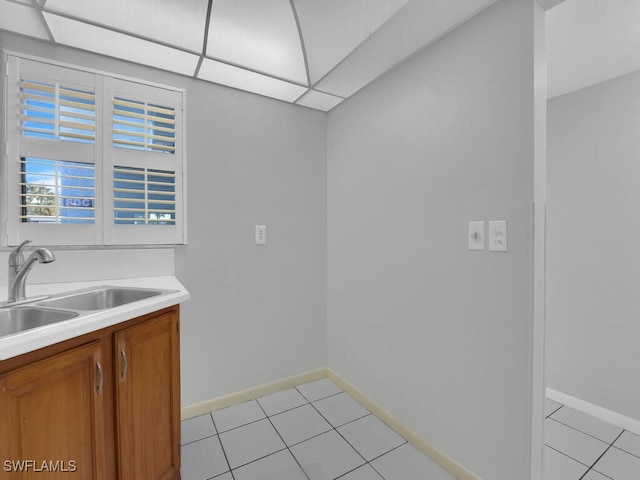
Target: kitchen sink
[(100, 298), (18, 319)]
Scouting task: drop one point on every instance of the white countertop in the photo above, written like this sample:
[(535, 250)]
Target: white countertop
[(30, 340)]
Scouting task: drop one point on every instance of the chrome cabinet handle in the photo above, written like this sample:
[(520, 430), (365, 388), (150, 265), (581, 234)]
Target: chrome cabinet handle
[(124, 364), (100, 377)]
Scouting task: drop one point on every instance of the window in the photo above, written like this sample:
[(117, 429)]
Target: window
[(144, 196), (91, 159), (54, 191), (49, 110)]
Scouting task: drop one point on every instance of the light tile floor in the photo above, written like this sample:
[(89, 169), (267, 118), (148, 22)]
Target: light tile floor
[(311, 432), (580, 447)]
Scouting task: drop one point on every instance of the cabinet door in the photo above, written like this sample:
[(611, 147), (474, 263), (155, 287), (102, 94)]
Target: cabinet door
[(53, 417), (148, 399)]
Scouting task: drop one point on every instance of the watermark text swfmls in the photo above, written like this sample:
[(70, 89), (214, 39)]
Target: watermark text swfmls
[(30, 465)]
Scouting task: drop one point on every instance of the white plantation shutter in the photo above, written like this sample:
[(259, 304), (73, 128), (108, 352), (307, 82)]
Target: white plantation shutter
[(147, 165), (51, 110), (51, 163), (91, 159), (143, 126), (57, 192), (144, 196)]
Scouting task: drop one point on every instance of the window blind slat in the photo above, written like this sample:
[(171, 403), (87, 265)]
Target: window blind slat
[(66, 92), (138, 105), (143, 145), (142, 116), (143, 126), (134, 192), (54, 191), (57, 112)]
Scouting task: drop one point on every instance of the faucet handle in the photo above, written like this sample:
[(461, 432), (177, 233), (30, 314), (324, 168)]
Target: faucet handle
[(17, 258)]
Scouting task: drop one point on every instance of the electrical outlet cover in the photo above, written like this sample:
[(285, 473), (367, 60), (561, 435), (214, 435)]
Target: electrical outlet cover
[(498, 236)]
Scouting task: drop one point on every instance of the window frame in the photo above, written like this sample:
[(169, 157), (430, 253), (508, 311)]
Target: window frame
[(103, 154)]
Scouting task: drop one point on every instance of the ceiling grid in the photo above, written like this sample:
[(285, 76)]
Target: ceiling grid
[(304, 50), (300, 51), (206, 38)]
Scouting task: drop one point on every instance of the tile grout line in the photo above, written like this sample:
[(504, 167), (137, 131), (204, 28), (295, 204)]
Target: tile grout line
[(260, 458), (287, 447), (622, 449), (602, 455), (366, 462), (285, 443), (306, 402), (626, 451), (565, 455), (238, 426), (375, 458), (224, 452), (554, 411), (321, 398), (585, 433), (336, 430), (199, 439)]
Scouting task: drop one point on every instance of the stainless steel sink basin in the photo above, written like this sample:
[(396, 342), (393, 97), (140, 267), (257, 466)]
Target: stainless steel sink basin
[(100, 298), (18, 319)]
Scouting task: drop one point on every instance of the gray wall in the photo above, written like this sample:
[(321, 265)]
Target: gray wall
[(593, 237), (439, 335), (257, 313)]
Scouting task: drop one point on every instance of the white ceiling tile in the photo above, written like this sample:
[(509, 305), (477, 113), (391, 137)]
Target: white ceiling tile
[(174, 23), (319, 100), (549, 4), (253, 45), (23, 2), (419, 23), (236, 77), (332, 28), (106, 42), (259, 35), (590, 41), (20, 19)]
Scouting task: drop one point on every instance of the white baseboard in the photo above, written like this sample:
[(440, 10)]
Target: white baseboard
[(594, 410), (400, 428), (251, 393)]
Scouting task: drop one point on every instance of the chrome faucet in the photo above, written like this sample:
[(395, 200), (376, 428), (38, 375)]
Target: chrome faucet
[(19, 268)]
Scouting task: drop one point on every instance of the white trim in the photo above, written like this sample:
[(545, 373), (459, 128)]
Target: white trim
[(400, 428), (251, 393), (539, 236), (595, 411), (101, 153)]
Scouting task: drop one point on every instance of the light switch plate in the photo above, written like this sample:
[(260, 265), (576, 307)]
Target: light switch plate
[(498, 236), (261, 234), (476, 236)]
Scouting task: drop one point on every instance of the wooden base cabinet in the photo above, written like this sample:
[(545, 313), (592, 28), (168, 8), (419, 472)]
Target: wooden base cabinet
[(53, 417), (98, 407), (147, 388)]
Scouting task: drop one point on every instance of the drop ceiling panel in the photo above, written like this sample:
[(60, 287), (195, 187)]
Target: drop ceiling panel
[(414, 26), (236, 77), (100, 40), (274, 48), (259, 35), (174, 23), (319, 100), (591, 41), (549, 4), (333, 28), (19, 19)]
